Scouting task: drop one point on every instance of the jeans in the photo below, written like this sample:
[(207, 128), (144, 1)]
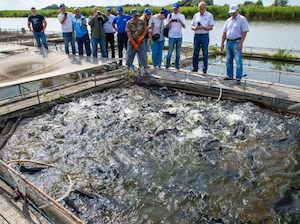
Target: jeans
[(172, 42), (122, 42), (157, 48), (145, 42), (232, 52), (40, 36), (110, 38), (200, 41), (131, 51), (102, 42), (68, 37), (86, 41)]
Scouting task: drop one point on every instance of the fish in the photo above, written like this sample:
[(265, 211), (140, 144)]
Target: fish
[(286, 198), (83, 129), (169, 114), (71, 204), (84, 193), (294, 106), (164, 131), (31, 170)]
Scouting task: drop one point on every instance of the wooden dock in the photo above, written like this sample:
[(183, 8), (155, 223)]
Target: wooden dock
[(31, 65)]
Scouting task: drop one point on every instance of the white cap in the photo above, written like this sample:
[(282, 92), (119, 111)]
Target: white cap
[(233, 8)]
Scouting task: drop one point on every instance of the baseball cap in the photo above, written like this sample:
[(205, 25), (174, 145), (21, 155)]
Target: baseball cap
[(62, 5), (119, 9), (134, 12), (108, 8), (175, 5), (147, 11), (233, 8), (165, 12)]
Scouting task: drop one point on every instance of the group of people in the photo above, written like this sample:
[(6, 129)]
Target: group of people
[(135, 33)]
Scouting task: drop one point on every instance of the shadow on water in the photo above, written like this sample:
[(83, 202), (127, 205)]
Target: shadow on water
[(155, 155)]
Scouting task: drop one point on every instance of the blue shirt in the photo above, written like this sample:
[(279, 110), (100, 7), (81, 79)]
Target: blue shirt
[(79, 29), (234, 28), (121, 22)]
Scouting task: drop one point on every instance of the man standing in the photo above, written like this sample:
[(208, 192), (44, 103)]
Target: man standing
[(202, 23), (136, 31), (65, 18), (39, 24), (97, 31), (234, 32), (81, 32), (122, 37), (176, 21), (109, 32)]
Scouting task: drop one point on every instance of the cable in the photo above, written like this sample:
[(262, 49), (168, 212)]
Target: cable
[(49, 165), (219, 85)]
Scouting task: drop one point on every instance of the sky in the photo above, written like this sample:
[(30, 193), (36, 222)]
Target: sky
[(27, 4)]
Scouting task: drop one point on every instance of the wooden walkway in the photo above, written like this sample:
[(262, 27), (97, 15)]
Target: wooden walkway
[(31, 65), (15, 210)]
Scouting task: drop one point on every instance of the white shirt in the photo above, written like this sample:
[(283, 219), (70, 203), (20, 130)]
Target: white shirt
[(206, 19), (158, 27), (176, 27), (108, 25), (234, 28), (67, 25)]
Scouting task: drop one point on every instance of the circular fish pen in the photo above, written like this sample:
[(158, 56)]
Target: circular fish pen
[(138, 155)]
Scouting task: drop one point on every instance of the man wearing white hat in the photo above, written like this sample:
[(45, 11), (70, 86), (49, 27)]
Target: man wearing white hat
[(234, 32)]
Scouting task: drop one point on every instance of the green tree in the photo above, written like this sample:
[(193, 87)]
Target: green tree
[(195, 2), (248, 3), (259, 2), (53, 6), (280, 3)]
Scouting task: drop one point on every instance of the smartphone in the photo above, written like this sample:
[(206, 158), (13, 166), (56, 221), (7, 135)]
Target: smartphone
[(174, 20), (66, 13), (199, 24)]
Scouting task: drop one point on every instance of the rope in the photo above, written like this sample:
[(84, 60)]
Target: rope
[(219, 85), (49, 165)]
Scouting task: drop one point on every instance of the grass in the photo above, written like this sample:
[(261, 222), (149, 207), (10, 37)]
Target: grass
[(281, 55), (252, 12)]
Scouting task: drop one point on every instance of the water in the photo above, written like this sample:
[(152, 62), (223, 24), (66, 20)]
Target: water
[(158, 156), (283, 35)]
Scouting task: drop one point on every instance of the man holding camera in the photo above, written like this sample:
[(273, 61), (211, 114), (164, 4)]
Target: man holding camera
[(202, 23), (175, 21), (81, 32), (65, 19), (97, 32)]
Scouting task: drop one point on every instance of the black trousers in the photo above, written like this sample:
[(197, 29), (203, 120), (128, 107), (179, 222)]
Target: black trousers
[(110, 38), (122, 42)]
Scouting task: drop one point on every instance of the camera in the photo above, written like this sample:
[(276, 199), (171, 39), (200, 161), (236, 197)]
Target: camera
[(174, 20)]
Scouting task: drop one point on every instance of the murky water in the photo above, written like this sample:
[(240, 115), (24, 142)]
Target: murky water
[(157, 156)]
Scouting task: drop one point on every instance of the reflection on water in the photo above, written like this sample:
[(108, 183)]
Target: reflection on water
[(157, 156), (264, 70)]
